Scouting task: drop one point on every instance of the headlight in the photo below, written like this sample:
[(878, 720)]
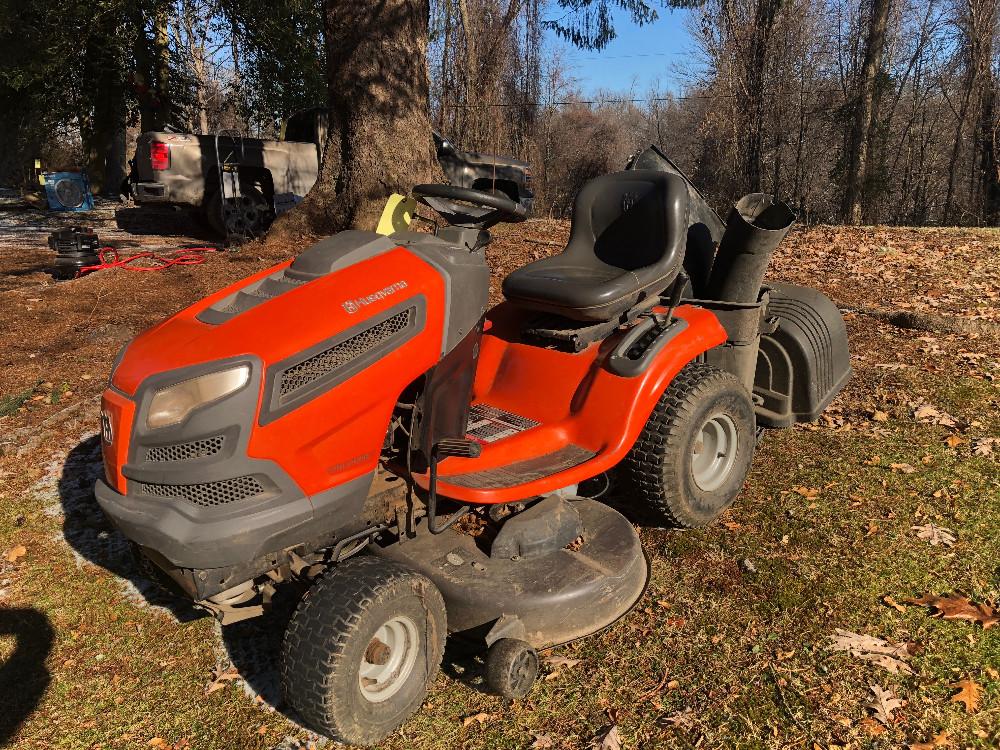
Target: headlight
[(171, 405)]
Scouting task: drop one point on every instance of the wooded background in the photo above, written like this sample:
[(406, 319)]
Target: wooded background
[(854, 111)]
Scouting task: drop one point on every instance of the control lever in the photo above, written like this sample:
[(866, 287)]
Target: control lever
[(459, 447)]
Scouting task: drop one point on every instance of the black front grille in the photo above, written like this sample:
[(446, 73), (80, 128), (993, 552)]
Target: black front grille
[(207, 494), (187, 451), (325, 362)]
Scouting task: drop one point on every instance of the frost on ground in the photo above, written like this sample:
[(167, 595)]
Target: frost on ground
[(66, 489), (252, 647)]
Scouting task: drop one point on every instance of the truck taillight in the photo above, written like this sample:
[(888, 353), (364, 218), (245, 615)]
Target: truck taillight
[(159, 156)]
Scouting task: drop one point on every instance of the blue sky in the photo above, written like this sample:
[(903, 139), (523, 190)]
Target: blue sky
[(638, 57)]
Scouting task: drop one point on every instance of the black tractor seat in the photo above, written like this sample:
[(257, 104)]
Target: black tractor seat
[(626, 243)]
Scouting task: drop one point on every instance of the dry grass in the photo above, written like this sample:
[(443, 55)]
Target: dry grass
[(727, 650)]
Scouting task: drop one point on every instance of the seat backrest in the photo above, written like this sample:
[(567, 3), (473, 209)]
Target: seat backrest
[(631, 220)]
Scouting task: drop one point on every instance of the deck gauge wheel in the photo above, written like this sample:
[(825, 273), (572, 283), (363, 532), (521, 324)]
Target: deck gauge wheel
[(511, 668)]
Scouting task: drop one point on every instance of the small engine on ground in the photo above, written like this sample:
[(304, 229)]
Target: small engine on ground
[(76, 248)]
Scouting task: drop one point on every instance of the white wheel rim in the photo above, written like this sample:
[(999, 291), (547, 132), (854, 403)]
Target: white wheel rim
[(714, 452), (389, 659)]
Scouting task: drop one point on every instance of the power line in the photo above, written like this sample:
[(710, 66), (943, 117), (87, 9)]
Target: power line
[(625, 57), (640, 100)]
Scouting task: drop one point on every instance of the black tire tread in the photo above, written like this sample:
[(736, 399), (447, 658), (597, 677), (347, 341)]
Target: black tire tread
[(327, 618), (643, 466)]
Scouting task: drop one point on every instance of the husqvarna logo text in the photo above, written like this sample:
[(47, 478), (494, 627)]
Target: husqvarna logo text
[(353, 305)]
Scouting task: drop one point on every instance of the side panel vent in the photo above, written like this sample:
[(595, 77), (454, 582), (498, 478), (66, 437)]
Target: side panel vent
[(338, 355), (207, 494), (298, 379), (187, 451)]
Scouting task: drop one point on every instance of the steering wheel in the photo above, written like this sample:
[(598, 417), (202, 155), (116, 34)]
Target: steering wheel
[(465, 207)]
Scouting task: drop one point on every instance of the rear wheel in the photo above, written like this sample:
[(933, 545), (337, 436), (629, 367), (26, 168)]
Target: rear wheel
[(693, 455), (362, 649)]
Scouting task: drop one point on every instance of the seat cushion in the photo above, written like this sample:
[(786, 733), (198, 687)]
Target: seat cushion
[(626, 242), (592, 292)]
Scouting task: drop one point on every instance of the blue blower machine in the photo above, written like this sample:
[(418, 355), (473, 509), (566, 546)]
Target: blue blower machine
[(68, 191)]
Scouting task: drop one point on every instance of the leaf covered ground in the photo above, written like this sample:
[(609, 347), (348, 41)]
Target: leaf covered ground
[(848, 599)]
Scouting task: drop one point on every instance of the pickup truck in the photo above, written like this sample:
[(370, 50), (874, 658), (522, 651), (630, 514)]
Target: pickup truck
[(240, 184)]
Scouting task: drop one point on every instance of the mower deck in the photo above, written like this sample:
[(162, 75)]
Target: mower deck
[(558, 595)]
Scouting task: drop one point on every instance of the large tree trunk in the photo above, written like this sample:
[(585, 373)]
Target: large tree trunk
[(380, 130), (103, 130), (864, 112)]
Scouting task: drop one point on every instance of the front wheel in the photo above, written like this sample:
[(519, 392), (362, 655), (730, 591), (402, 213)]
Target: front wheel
[(362, 649), (694, 453)]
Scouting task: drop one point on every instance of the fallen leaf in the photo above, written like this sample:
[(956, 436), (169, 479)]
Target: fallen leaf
[(15, 553), (969, 693), (480, 718), (561, 661), (809, 493), (904, 468), (610, 740), (884, 704), (890, 602), (958, 607), (889, 656), (159, 743), (935, 534), (220, 680), (941, 739), (542, 742), (880, 416), (931, 415), (984, 446), (871, 726)]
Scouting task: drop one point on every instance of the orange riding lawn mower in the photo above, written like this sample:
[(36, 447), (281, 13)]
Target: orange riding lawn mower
[(358, 421)]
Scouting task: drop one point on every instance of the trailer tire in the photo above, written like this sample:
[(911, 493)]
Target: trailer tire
[(362, 649), (695, 450)]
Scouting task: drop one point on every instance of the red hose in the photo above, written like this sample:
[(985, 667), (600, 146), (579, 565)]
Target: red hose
[(184, 256)]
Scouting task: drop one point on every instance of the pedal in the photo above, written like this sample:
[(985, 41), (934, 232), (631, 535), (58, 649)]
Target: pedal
[(459, 447)]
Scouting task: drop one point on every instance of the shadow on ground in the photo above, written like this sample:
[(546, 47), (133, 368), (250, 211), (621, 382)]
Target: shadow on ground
[(252, 647), (93, 537), (162, 220), (23, 676)]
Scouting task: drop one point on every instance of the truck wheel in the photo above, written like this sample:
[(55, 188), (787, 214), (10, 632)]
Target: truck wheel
[(693, 455), (362, 648), (243, 217)]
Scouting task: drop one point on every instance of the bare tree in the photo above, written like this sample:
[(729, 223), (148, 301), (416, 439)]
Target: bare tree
[(864, 112)]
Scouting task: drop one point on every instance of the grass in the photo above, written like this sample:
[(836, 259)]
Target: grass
[(746, 649), (728, 649)]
